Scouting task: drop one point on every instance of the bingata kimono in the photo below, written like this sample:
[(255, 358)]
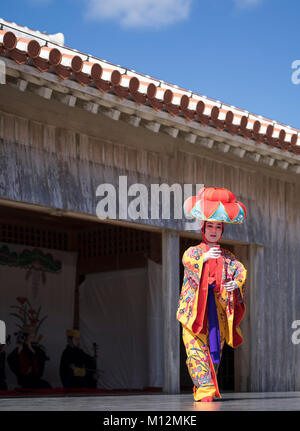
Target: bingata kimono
[(210, 316)]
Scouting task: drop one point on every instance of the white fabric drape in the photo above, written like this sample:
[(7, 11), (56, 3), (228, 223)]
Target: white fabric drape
[(55, 295), (155, 324), (121, 312)]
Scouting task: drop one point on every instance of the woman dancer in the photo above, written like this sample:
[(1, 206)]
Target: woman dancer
[(211, 304)]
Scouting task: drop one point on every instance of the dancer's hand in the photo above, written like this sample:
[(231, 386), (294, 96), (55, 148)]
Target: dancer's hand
[(230, 286), (213, 253)]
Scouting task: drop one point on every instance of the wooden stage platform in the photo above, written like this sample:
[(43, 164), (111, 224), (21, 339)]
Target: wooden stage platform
[(254, 401)]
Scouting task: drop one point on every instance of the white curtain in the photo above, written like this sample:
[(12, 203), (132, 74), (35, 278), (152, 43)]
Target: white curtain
[(155, 324), (53, 292), (121, 312)]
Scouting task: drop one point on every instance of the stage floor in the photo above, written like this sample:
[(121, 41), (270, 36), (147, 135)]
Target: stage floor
[(254, 401)]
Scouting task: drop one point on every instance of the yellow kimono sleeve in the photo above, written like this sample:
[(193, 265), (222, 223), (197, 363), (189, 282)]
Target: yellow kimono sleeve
[(187, 310)]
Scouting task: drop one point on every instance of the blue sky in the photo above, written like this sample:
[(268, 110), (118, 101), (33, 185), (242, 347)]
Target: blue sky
[(237, 51)]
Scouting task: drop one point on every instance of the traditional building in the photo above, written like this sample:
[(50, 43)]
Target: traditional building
[(70, 123)]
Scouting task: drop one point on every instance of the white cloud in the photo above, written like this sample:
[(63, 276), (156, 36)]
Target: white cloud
[(247, 3), (140, 13)]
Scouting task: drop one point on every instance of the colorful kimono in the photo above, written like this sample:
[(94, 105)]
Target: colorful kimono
[(193, 313)]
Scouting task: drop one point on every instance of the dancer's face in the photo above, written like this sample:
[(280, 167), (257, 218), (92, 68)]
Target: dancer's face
[(213, 231)]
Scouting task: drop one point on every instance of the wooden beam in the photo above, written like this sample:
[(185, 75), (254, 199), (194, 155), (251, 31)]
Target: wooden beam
[(243, 353), (190, 137), (153, 126), (76, 312), (91, 107), (255, 157), (239, 152), (171, 131), (295, 169), (268, 160), (114, 114), (134, 121), (222, 146), (22, 84), (34, 76), (206, 142), (44, 92), (69, 100), (255, 280), (282, 164)]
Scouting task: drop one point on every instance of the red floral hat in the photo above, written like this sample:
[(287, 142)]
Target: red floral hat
[(215, 204)]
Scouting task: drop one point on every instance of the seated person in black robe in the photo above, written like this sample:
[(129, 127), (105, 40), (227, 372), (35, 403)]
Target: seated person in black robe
[(27, 361), (3, 385), (77, 369)]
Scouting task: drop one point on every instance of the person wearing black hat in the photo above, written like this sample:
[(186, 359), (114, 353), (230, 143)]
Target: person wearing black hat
[(77, 368)]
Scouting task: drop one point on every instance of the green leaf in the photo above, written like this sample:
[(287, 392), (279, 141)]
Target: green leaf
[(40, 322), (16, 315)]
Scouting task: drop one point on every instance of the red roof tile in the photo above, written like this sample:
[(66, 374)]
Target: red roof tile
[(69, 64)]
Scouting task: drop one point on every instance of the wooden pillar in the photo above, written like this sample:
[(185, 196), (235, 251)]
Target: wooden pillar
[(256, 276), (243, 352), (170, 293), (76, 300)]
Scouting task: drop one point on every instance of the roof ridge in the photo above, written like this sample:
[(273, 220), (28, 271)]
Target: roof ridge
[(56, 38), (175, 99), (162, 84)]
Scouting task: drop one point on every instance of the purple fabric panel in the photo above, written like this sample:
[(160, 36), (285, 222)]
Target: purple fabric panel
[(213, 326)]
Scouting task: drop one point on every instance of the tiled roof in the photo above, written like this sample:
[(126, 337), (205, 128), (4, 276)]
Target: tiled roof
[(68, 63), (20, 30)]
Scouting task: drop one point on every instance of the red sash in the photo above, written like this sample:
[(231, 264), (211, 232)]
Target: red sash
[(211, 271)]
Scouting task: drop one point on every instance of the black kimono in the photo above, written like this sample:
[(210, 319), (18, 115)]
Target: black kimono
[(74, 356)]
